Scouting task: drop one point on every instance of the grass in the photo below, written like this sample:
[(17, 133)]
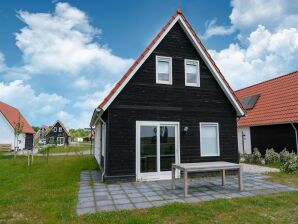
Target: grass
[(70, 148), (42, 193), (290, 179), (47, 193)]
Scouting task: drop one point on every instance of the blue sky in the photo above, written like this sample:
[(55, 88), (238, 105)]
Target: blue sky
[(58, 59)]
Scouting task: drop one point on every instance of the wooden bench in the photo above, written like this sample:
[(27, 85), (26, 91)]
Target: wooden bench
[(206, 167), (5, 147)]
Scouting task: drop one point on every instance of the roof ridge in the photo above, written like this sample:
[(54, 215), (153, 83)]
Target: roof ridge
[(269, 80)]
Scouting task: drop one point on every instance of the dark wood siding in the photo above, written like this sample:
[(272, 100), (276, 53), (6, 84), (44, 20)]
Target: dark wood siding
[(144, 100), (29, 141), (57, 134), (273, 136)]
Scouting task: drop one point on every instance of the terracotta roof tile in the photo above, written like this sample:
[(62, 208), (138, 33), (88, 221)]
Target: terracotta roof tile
[(278, 102), (12, 116)]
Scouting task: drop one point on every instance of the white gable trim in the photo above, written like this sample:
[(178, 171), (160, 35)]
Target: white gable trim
[(211, 67), (214, 72), (107, 104)]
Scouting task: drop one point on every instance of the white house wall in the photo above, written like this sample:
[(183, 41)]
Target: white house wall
[(97, 142), (243, 134), (7, 134)]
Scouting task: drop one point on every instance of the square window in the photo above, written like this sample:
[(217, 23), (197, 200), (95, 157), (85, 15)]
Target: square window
[(192, 73), (209, 139), (163, 70)]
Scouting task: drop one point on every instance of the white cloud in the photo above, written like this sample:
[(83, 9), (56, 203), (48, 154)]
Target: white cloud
[(22, 96), (266, 43), (246, 15), (91, 101), (267, 54), (214, 30), (249, 13), (83, 83), (64, 42), (61, 46), (2, 62)]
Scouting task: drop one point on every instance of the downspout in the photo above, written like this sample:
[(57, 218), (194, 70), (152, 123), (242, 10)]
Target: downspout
[(295, 129), (104, 158)]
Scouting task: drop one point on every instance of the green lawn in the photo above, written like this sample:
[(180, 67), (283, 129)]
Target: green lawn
[(47, 193), (70, 148), (290, 180)]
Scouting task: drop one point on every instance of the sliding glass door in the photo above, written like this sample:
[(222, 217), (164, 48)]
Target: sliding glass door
[(157, 149)]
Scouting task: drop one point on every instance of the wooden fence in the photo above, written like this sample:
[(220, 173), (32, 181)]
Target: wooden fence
[(5, 147)]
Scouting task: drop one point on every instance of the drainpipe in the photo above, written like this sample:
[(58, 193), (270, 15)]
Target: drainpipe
[(243, 135), (295, 129)]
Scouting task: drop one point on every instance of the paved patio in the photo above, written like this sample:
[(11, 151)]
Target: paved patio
[(106, 197)]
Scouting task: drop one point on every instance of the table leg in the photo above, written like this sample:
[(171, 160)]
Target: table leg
[(185, 183), (173, 178), (223, 177), (240, 179)]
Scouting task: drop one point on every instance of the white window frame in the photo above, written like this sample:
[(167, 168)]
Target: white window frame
[(167, 59), (55, 129), (60, 129), (59, 139), (192, 62), (213, 124)]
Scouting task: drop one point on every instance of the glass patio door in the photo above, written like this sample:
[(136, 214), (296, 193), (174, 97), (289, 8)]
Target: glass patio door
[(60, 141), (157, 149)]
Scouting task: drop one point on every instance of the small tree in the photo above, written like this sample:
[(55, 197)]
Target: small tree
[(18, 129)]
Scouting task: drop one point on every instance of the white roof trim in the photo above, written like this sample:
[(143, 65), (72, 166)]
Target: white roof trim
[(222, 84)]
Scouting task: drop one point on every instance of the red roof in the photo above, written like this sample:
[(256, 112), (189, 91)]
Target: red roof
[(278, 102), (12, 116), (148, 48)]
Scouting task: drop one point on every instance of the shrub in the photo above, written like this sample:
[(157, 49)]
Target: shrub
[(285, 155), (256, 156), (290, 165), (271, 157), (247, 158)]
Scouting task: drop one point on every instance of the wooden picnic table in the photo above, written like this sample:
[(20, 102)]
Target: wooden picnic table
[(205, 167)]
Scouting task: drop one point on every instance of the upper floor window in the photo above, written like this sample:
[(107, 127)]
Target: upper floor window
[(60, 129), (192, 73), (163, 70), (55, 129)]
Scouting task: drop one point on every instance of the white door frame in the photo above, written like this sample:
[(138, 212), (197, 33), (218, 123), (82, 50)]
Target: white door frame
[(60, 138), (159, 174)]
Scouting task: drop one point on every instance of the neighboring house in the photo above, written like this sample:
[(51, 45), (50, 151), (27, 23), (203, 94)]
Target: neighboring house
[(173, 105), (9, 117), (40, 135), (89, 137), (58, 135), (272, 115)]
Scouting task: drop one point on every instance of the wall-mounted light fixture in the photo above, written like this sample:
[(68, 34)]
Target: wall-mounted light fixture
[(185, 130)]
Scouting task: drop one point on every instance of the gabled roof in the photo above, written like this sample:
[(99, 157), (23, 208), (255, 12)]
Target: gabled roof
[(62, 125), (177, 17), (12, 115), (278, 101)]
